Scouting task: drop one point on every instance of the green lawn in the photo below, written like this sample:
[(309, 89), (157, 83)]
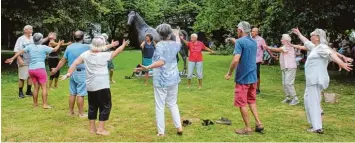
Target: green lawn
[(133, 115)]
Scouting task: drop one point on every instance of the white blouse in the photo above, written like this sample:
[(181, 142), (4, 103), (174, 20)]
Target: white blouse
[(316, 65)]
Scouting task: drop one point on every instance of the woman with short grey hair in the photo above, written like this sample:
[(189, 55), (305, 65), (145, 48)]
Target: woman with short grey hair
[(165, 78), (317, 78)]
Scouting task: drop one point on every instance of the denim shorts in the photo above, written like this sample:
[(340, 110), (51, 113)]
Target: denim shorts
[(78, 83)]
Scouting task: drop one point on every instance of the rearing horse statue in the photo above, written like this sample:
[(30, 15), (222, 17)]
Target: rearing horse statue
[(140, 29)]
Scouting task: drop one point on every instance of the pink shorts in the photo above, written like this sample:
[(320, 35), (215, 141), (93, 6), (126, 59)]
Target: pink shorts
[(244, 94), (38, 76)]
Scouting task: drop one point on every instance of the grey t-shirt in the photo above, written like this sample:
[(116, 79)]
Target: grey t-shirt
[(21, 43), (97, 75)]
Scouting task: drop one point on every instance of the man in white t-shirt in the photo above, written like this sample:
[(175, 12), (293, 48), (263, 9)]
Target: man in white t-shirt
[(23, 60)]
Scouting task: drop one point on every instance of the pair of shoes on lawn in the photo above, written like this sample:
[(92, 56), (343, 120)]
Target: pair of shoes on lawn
[(207, 122), (223, 120), (186, 123)]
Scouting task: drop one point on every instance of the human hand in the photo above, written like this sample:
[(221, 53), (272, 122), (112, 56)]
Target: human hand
[(115, 43), (228, 76), (126, 43), (346, 66), (10, 60), (54, 71), (141, 68), (296, 31), (65, 76)]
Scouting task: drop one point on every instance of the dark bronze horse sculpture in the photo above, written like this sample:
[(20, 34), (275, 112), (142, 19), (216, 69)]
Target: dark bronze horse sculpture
[(139, 29)]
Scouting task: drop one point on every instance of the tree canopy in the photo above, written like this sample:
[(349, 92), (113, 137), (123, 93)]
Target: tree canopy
[(274, 17)]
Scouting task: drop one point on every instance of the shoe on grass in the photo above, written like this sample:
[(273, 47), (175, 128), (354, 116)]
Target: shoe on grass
[(294, 102), (225, 121)]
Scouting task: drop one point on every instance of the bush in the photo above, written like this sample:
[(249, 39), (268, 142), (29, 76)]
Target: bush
[(226, 49)]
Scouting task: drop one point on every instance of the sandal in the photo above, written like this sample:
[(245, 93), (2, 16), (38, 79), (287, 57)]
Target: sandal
[(207, 122), (128, 77), (243, 132), (186, 123)]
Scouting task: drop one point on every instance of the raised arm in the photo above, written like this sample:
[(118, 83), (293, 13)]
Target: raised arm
[(299, 47), (278, 50), (299, 34), (55, 49), (183, 40), (344, 65), (209, 50), (113, 44), (53, 43), (346, 59), (142, 45), (120, 49), (10, 60)]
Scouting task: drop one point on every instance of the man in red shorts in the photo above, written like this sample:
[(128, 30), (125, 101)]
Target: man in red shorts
[(245, 78)]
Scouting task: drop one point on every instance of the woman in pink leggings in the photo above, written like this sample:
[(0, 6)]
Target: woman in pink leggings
[(37, 68)]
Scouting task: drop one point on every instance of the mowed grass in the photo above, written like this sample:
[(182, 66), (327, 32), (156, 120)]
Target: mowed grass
[(133, 115)]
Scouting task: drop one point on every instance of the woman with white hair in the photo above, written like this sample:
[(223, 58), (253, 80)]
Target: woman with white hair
[(37, 68), (195, 59), (317, 78), (165, 78), (97, 81), (110, 65), (289, 67)]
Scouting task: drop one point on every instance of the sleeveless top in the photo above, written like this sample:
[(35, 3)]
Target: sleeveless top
[(148, 50)]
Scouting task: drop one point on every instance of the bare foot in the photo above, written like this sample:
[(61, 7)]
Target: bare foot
[(83, 115), (113, 82), (46, 107), (200, 87), (103, 132), (35, 105), (71, 113), (93, 131), (188, 87)]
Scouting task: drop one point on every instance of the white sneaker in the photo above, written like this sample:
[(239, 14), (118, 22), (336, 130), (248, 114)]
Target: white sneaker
[(294, 102), (286, 100)]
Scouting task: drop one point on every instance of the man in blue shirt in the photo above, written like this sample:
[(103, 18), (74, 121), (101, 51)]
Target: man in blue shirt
[(245, 77), (77, 80)]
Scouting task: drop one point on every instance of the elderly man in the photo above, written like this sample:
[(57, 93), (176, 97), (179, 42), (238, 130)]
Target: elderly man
[(195, 59), (245, 78), (261, 44), (23, 60)]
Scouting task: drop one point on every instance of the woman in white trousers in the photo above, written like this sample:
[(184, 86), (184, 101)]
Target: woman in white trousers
[(166, 78), (317, 78)]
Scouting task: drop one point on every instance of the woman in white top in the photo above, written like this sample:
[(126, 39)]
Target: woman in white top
[(317, 78), (97, 81)]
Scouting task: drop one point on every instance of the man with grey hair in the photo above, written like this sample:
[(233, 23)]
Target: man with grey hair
[(245, 78), (195, 59), (23, 60)]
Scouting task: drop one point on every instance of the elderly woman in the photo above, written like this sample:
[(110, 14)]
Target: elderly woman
[(165, 78), (317, 78), (195, 59), (37, 66), (289, 67), (53, 59), (97, 81)]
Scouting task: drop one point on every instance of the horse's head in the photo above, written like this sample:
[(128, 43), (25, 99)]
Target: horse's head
[(131, 16)]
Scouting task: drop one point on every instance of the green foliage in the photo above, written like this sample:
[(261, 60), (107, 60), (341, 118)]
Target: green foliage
[(226, 49)]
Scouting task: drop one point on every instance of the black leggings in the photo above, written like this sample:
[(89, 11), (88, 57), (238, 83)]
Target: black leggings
[(100, 99), (52, 63)]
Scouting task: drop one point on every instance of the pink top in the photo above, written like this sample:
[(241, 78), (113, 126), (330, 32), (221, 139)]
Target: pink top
[(288, 58), (260, 50)]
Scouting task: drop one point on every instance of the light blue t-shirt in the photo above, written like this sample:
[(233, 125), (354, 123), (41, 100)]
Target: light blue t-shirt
[(37, 54), (168, 74), (246, 70), (73, 51)]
